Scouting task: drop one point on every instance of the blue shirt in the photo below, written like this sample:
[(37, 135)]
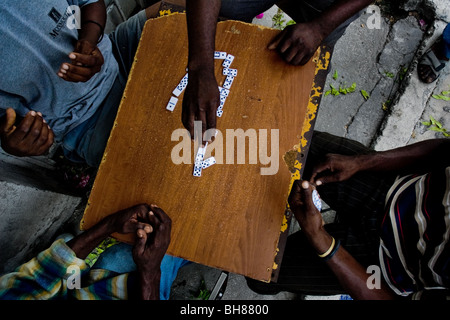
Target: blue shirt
[(36, 39)]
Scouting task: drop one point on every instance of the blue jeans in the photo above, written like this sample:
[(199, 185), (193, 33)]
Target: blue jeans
[(119, 258), (87, 142), (446, 38)]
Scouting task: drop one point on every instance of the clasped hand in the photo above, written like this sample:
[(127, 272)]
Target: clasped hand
[(152, 227), (86, 61), (31, 136)]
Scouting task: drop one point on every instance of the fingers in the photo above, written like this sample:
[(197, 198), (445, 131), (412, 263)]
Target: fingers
[(188, 118), (160, 214), (142, 218), (33, 134), (319, 168), (201, 115), (24, 126), (200, 102), (207, 116), (43, 136), (282, 43), (78, 73), (144, 226), (294, 53), (141, 240), (306, 192), (88, 60), (276, 41), (300, 198), (294, 199), (83, 66), (150, 218), (31, 137), (163, 227), (10, 120), (293, 45)]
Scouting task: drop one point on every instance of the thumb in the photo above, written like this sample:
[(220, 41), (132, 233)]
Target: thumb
[(147, 228), (306, 191), (275, 41), (141, 240), (10, 119)]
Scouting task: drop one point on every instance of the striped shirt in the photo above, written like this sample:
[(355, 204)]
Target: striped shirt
[(414, 248), (53, 275)]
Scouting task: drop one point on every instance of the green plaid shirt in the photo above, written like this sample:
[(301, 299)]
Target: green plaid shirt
[(57, 273)]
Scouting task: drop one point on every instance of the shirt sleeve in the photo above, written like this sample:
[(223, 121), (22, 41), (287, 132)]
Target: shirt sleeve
[(43, 277), (81, 3), (86, 2)]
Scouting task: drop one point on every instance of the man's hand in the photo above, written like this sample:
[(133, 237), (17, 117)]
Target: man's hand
[(32, 136), (149, 250), (349, 272), (200, 101), (302, 205), (87, 60), (307, 215), (297, 43), (335, 168), (124, 221), (132, 219)]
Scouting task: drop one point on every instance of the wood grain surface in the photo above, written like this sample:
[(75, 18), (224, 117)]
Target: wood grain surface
[(230, 217)]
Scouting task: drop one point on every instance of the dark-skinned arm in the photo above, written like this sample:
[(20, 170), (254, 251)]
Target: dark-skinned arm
[(201, 98), (350, 274), (86, 59), (417, 158), (91, 32), (149, 251), (152, 227), (125, 221), (297, 43), (338, 13)]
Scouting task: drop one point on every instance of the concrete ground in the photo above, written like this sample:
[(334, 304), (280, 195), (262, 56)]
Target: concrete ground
[(378, 53)]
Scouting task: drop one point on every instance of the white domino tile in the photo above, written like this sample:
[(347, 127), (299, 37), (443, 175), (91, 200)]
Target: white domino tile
[(172, 103), (181, 86), (228, 82), (220, 55), (229, 72), (208, 162), (228, 61)]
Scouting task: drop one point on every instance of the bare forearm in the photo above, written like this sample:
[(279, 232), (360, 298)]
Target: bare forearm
[(339, 12), (418, 157), (350, 274), (353, 278), (92, 12), (150, 283), (84, 243), (202, 18)]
